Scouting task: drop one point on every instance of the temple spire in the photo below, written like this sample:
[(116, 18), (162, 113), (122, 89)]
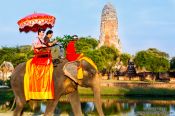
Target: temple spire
[(109, 27)]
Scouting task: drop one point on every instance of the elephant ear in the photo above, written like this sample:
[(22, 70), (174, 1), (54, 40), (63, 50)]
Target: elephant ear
[(70, 70)]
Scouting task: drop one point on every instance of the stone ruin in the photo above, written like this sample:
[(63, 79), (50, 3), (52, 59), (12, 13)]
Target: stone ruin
[(109, 28)]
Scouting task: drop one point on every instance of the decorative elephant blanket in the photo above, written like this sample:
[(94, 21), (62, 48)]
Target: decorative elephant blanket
[(74, 69), (38, 81)]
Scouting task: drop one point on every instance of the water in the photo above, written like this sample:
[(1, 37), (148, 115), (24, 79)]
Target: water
[(112, 106)]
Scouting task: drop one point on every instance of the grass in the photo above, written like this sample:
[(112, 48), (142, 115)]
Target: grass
[(7, 94), (121, 91), (130, 81)]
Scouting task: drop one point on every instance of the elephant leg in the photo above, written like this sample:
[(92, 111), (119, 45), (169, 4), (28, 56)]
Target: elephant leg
[(75, 103), (19, 106), (51, 105), (97, 96)]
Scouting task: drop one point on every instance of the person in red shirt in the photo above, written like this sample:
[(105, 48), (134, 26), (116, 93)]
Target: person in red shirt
[(71, 54)]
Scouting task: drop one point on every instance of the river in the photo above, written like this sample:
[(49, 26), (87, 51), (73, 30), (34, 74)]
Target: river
[(112, 106)]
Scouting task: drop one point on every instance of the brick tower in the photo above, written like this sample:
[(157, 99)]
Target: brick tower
[(109, 28)]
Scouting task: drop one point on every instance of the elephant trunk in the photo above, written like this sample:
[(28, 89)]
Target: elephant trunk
[(97, 97)]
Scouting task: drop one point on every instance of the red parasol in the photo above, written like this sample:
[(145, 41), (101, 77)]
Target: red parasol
[(36, 21)]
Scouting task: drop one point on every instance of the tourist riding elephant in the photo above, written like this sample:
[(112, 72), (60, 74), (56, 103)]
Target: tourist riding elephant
[(62, 85)]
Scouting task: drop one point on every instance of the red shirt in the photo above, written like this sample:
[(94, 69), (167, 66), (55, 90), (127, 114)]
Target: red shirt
[(71, 54)]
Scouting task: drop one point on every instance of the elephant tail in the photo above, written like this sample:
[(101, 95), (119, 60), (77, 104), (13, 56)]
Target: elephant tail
[(13, 105)]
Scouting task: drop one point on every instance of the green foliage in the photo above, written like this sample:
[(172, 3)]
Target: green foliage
[(15, 55), (97, 57), (158, 52), (19, 58), (172, 63), (24, 49), (154, 62), (141, 59), (85, 44), (110, 54), (125, 57), (64, 40), (104, 57)]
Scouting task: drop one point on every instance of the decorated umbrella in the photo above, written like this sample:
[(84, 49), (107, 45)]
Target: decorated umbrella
[(36, 21)]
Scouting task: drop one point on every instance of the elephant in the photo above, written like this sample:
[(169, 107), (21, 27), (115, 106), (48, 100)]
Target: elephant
[(63, 85)]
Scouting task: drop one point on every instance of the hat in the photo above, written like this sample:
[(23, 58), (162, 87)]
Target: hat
[(75, 37)]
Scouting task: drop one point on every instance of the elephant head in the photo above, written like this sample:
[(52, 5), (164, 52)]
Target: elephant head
[(90, 79)]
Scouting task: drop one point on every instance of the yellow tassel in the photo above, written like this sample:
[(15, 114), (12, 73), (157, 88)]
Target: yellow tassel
[(80, 73)]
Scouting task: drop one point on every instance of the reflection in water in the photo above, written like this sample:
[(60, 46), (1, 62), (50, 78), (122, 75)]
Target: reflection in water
[(87, 107), (172, 110), (124, 107), (147, 105), (5, 106), (42, 107)]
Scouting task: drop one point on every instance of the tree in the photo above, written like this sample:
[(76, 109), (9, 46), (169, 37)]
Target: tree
[(125, 57), (15, 55), (158, 52), (97, 57), (172, 63), (151, 61), (104, 57), (64, 40), (85, 44)]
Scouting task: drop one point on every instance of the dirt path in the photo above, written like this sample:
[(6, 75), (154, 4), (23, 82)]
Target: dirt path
[(6, 114)]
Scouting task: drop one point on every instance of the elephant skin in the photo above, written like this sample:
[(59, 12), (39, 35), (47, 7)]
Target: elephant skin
[(62, 85)]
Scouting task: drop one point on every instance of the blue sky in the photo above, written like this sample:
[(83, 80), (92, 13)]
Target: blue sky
[(142, 23)]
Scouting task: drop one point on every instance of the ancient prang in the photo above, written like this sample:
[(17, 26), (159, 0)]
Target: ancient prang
[(109, 28)]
